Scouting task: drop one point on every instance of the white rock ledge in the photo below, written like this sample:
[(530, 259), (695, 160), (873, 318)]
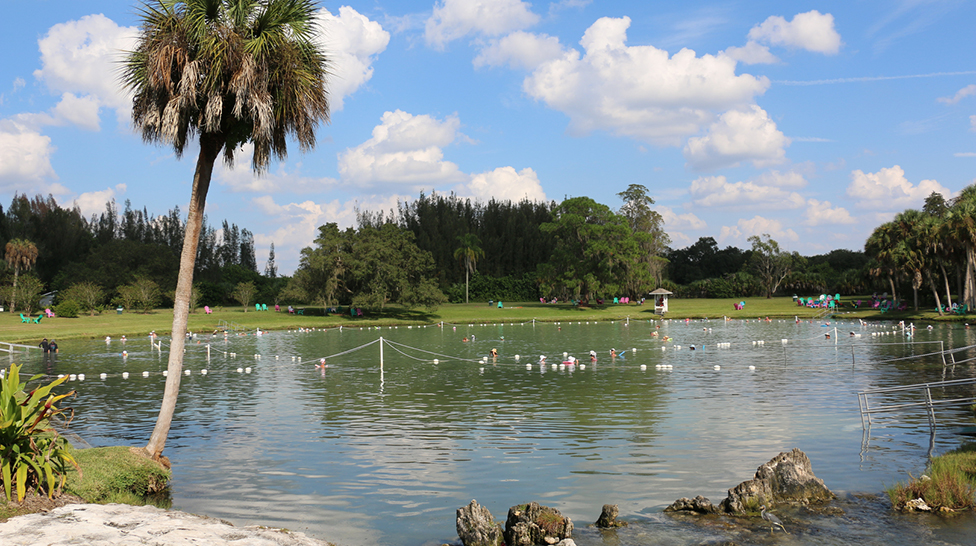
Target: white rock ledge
[(112, 524)]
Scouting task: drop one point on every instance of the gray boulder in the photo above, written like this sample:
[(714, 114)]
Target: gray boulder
[(699, 505), (476, 526), (533, 523), (608, 517), (786, 479)]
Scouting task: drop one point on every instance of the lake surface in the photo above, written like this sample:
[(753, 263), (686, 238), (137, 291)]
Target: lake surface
[(360, 456)]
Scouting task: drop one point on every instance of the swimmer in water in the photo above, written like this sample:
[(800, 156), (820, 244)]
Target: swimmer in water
[(493, 352)]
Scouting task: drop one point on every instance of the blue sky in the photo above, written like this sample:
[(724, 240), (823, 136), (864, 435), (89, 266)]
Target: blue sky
[(811, 121)]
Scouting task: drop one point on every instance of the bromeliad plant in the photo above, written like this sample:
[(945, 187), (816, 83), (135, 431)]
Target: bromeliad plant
[(32, 453)]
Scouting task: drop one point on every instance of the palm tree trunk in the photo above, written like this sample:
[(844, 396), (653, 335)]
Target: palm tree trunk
[(13, 294), (935, 291), (210, 146), (946, 277), (466, 272)]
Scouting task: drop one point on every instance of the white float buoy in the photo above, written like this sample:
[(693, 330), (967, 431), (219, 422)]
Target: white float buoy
[(717, 367), (436, 361), (81, 377), (247, 370), (582, 366), (72, 377), (752, 367), (186, 372), (203, 372), (239, 370), (102, 375), (643, 367), (528, 366), (165, 373), (145, 374), (125, 375), (634, 350), (517, 357)]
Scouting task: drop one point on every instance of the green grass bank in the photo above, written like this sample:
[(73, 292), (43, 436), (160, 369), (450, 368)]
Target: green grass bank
[(134, 323)]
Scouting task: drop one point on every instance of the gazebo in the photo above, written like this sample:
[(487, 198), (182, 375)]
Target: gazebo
[(660, 297)]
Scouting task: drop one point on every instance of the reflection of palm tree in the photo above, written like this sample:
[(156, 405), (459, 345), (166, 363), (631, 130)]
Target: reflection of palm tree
[(468, 254), (233, 73), (20, 254)]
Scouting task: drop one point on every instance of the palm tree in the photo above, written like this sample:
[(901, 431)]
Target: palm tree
[(468, 254), (227, 72), (961, 227), (20, 254)]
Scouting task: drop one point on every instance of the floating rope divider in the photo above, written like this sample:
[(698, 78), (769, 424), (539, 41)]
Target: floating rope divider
[(381, 358), (393, 345)]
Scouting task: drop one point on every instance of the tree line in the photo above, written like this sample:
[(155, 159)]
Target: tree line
[(126, 257), (932, 250)]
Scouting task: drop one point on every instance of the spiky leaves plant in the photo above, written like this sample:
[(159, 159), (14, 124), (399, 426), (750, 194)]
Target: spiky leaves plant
[(227, 72), (32, 454)]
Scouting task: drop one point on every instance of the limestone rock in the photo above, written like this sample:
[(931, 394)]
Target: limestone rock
[(917, 504), (786, 479), (533, 523), (608, 517), (477, 527), (699, 505)]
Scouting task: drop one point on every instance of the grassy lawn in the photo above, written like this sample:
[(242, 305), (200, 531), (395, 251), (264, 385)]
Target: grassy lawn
[(134, 323)]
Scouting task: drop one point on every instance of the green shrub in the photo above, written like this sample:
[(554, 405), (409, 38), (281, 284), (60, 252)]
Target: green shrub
[(32, 454), (117, 475), (67, 309), (950, 482)]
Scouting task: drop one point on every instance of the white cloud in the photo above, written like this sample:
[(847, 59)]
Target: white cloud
[(241, 177), (502, 184), (790, 179), (756, 225), (716, 191), (822, 213), (93, 202), (811, 31), (404, 149), (639, 91), (972, 123), (351, 42), (675, 221), (738, 135), (751, 53), (888, 189), (25, 158), (967, 91), (453, 19), (964, 154), (80, 111), (82, 57), (522, 50)]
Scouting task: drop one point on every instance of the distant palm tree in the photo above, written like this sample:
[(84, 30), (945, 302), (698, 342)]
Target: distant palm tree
[(20, 254), (467, 254), (228, 72), (961, 227)]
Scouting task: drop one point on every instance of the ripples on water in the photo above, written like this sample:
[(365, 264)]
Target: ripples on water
[(357, 457)]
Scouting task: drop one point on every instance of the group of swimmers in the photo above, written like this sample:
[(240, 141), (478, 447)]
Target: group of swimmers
[(48, 346)]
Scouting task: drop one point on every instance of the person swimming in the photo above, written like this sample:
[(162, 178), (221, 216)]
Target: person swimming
[(493, 352), (592, 356)]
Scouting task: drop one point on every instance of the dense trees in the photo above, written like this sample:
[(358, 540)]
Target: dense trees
[(366, 267)]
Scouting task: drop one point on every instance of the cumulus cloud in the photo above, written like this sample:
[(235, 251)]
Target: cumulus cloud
[(504, 183), (823, 213), (639, 91), (716, 191), (70, 110), (241, 177), (967, 91), (25, 158), (453, 19), (520, 50), (738, 135), (972, 123), (82, 57), (675, 221), (93, 202), (404, 149), (811, 31), (888, 189), (352, 43), (756, 225), (751, 53)]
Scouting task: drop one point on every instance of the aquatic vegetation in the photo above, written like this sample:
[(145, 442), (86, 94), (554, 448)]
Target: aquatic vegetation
[(949, 482)]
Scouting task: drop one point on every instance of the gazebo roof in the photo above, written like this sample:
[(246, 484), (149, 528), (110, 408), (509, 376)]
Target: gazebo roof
[(661, 292)]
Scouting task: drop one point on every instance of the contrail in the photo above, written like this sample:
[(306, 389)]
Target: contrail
[(873, 78)]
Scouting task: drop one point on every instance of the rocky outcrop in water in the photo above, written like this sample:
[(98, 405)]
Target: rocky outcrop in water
[(786, 479), (608, 517), (699, 505), (477, 527), (533, 523)]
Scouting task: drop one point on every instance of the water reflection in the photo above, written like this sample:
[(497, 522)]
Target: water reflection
[(356, 459)]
